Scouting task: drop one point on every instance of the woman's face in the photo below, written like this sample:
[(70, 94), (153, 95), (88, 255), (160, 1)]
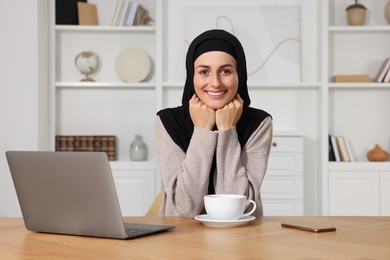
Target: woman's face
[(215, 78)]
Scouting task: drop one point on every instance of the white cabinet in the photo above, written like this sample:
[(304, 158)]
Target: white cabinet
[(359, 192), (384, 180), (353, 193), (136, 186), (282, 188)]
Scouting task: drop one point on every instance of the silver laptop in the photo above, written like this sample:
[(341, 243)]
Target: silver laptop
[(71, 193)]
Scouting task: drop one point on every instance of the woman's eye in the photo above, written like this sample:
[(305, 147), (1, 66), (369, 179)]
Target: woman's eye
[(203, 72), (226, 72)]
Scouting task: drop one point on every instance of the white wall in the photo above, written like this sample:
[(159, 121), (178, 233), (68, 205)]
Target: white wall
[(23, 76)]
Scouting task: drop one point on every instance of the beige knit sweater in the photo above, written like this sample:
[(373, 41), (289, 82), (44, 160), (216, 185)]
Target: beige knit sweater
[(185, 176)]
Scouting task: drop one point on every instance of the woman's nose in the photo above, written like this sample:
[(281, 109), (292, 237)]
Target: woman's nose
[(215, 81)]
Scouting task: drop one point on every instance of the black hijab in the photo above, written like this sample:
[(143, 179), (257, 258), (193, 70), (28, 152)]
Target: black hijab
[(177, 121)]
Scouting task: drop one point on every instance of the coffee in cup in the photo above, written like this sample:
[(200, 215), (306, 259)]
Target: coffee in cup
[(227, 206)]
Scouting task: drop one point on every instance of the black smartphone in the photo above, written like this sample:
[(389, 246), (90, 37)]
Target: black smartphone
[(309, 227)]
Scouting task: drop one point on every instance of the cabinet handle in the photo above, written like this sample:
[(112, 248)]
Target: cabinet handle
[(274, 144)]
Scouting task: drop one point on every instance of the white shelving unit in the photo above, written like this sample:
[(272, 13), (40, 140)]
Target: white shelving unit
[(355, 110), (104, 106), (110, 106)]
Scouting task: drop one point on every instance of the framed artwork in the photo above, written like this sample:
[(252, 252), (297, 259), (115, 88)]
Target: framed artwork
[(270, 33)]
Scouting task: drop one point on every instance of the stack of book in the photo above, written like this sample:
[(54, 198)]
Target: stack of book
[(129, 13), (87, 143), (339, 149), (384, 72), (351, 78)]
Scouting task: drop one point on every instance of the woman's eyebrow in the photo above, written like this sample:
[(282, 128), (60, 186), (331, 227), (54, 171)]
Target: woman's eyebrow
[(202, 66), (226, 65), (207, 66)]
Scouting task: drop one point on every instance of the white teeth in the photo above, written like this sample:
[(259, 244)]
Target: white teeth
[(215, 93)]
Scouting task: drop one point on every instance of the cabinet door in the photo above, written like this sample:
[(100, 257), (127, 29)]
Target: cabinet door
[(282, 207), (385, 193), (282, 188), (135, 190), (287, 187), (353, 193), (284, 164)]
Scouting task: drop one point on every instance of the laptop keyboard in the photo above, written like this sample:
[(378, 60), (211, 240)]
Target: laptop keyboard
[(130, 229), (136, 229)]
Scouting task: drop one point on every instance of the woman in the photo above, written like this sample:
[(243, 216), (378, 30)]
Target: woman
[(214, 142)]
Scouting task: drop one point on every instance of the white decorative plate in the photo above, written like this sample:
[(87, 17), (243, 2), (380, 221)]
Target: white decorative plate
[(133, 65), (205, 220)]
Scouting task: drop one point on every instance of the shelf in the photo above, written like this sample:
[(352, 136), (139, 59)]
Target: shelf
[(287, 133), (173, 85), (85, 28), (141, 85), (253, 85), (363, 29), (359, 166), (301, 85), (133, 165), (366, 85)]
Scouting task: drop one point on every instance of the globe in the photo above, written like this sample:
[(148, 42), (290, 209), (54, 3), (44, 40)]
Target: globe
[(87, 62)]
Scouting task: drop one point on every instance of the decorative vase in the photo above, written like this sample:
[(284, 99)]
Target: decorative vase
[(356, 14), (138, 149), (387, 12), (377, 154)]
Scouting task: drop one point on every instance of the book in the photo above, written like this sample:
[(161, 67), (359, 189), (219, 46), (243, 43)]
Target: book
[(335, 149), (89, 143), (132, 13), (117, 12), (83, 143), (61, 143), (66, 11), (351, 78), (349, 149), (344, 156), (124, 13), (128, 13), (383, 70), (331, 155), (87, 13), (386, 79)]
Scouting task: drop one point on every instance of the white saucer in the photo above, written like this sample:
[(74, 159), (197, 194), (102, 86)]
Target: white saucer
[(223, 223)]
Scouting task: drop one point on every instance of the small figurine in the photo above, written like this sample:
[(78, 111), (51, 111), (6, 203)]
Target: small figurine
[(356, 14)]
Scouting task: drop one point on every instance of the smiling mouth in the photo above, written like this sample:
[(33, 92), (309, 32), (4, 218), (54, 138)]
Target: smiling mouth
[(216, 94)]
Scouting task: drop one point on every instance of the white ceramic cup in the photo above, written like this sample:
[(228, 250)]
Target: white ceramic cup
[(227, 206)]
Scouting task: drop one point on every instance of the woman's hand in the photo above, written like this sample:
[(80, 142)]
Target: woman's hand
[(229, 115), (201, 115)]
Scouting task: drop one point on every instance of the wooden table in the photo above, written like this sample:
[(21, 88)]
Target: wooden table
[(264, 238)]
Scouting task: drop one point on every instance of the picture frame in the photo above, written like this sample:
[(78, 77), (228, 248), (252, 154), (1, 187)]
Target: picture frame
[(271, 33)]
